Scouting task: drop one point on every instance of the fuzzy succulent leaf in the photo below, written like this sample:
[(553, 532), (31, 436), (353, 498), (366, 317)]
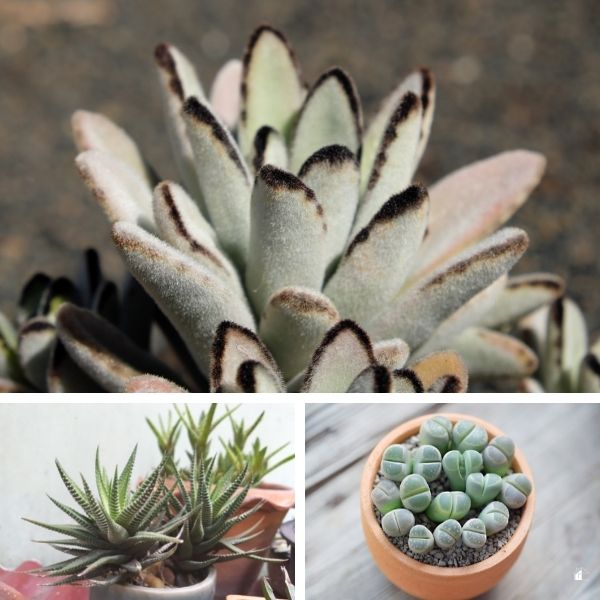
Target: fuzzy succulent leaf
[(375, 379), (269, 149), (391, 354), (225, 92)]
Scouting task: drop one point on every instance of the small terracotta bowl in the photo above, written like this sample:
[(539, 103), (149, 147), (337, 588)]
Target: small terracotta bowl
[(426, 581)]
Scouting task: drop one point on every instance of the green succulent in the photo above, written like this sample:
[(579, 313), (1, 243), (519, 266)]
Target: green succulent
[(397, 522), (269, 594), (396, 463), (495, 516), (468, 436), (116, 533), (386, 496), (498, 455), (448, 505), (437, 432), (420, 539), (415, 493), (482, 489), (427, 461), (447, 533), (515, 489), (474, 533), (459, 465)]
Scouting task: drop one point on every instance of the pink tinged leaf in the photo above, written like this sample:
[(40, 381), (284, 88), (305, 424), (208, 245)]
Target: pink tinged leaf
[(100, 349), (394, 163), (269, 148), (470, 313), (474, 201), (191, 297), (287, 237), (222, 176), (344, 353), (392, 354), (379, 258), (225, 94), (36, 339), (293, 325), (144, 384), (446, 366), (9, 593), (492, 355), (419, 310), (120, 191), (522, 295), (233, 347), (331, 114), (376, 379), (332, 173), (272, 88), (93, 131)]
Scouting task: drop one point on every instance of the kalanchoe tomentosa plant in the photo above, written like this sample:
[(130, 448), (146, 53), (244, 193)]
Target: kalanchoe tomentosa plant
[(298, 253)]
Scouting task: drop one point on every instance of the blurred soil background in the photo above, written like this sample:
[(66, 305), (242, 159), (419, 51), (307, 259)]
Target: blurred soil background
[(510, 74)]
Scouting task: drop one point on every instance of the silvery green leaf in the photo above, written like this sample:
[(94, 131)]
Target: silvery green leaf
[(344, 353), (234, 345), (100, 349), (375, 379), (406, 381), (151, 384), (489, 354), (521, 295), (272, 90), (420, 83), (120, 191), (293, 325), (191, 297), (93, 131), (474, 201), (566, 346), (65, 376), (332, 173), (225, 93), (287, 237), (269, 148), (394, 163), (392, 354), (181, 224), (179, 82), (330, 115), (254, 378), (223, 178), (445, 366), (380, 256), (420, 310), (36, 338), (470, 313)]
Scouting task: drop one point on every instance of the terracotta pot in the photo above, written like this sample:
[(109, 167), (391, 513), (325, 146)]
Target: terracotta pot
[(205, 590), (426, 581), (240, 575)]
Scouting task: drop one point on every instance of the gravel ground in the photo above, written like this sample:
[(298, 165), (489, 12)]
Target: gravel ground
[(510, 74)]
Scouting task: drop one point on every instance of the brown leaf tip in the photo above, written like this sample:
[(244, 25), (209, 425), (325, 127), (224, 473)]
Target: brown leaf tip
[(334, 156), (261, 140), (411, 199), (411, 377), (427, 84), (554, 284), (164, 59), (303, 302), (278, 179), (339, 328), (382, 379)]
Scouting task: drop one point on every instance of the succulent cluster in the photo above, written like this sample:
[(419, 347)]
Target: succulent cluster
[(479, 475), (297, 253), (269, 594), (156, 535)]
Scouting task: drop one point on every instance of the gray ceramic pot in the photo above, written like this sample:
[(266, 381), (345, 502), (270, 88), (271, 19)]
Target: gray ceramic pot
[(205, 590)]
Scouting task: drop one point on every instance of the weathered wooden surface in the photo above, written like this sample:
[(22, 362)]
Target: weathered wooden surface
[(561, 443)]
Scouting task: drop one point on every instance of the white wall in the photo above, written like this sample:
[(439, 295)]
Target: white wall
[(33, 435)]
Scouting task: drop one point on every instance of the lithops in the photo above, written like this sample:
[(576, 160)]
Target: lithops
[(437, 432), (446, 534), (468, 436), (515, 489), (415, 493), (427, 461), (459, 465), (386, 496), (482, 489), (498, 455), (398, 522), (396, 463), (474, 533), (495, 516), (448, 505), (420, 539)]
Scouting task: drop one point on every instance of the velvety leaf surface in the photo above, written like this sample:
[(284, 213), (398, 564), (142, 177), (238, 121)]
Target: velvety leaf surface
[(272, 90), (375, 379), (269, 149), (379, 258), (331, 115), (287, 238), (417, 313), (254, 378), (191, 297), (442, 365), (293, 325), (222, 176), (151, 384), (406, 381), (36, 338), (225, 93), (392, 354)]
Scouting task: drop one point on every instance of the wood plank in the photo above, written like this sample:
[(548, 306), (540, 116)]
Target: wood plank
[(560, 442)]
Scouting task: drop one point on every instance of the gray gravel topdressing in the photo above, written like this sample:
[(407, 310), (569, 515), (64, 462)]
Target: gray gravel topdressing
[(459, 555)]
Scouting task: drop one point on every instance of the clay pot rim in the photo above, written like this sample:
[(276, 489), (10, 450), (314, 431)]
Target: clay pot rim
[(398, 435), (281, 498)]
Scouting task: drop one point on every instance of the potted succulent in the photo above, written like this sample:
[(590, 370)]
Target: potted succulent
[(268, 593), (150, 542), (399, 549), (270, 502)]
